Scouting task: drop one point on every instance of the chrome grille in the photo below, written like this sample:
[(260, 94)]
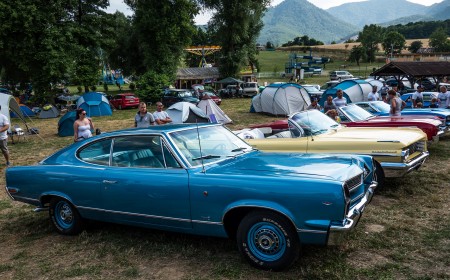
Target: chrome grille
[(354, 182), (417, 147)]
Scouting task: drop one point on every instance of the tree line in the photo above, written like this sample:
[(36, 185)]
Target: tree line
[(393, 42), (70, 41)]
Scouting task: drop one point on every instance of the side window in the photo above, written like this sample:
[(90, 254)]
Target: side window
[(96, 153), (171, 162), (141, 152), (295, 132)]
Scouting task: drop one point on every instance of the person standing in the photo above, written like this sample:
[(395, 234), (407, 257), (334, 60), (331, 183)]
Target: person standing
[(373, 95), (314, 105), (417, 97), (328, 105), (82, 126), (383, 91), (443, 97), (143, 118), (4, 126), (161, 117), (340, 100), (396, 104)]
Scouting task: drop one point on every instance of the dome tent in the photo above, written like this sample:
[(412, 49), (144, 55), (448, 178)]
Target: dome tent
[(9, 104), (95, 104), (65, 124), (48, 111), (281, 99), (354, 91), (209, 107), (186, 112)]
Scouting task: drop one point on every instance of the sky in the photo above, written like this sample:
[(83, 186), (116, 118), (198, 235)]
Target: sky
[(203, 18)]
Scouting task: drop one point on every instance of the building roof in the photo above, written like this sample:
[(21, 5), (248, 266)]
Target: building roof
[(416, 69), (197, 73)]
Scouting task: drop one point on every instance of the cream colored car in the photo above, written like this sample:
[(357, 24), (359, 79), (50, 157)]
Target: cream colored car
[(397, 151)]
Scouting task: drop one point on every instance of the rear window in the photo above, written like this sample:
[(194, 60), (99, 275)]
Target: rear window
[(130, 97)]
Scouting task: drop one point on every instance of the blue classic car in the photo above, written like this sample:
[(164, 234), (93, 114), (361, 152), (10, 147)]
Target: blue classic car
[(427, 96), (380, 108), (201, 180)]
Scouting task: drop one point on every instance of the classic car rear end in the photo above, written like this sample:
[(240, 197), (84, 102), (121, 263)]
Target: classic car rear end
[(210, 182)]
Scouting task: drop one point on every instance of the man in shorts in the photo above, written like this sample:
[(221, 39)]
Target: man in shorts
[(4, 126)]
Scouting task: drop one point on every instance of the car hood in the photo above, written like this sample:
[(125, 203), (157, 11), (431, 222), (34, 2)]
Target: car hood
[(328, 167)]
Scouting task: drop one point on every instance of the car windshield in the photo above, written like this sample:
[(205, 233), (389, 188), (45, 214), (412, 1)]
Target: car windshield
[(314, 122), (311, 89), (208, 144), (209, 93), (355, 113), (185, 94), (381, 106)]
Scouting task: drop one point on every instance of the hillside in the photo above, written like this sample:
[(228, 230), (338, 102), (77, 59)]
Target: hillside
[(295, 18), (376, 11)]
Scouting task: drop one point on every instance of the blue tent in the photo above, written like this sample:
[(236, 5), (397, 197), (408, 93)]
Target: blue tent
[(95, 104), (26, 111), (65, 124)]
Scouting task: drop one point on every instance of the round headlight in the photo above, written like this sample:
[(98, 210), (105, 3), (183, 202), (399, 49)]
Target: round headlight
[(405, 154)]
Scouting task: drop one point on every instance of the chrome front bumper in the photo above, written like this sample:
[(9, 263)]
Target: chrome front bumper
[(337, 232), (399, 169)]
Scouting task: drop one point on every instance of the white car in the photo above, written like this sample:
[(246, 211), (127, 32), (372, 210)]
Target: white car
[(250, 89), (340, 75)]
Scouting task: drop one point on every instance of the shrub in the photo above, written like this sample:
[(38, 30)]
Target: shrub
[(93, 88), (150, 86)]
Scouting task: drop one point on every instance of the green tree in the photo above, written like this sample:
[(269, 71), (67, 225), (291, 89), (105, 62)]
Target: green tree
[(269, 45), (415, 46), (237, 24), (162, 30), (50, 43), (357, 53), (151, 85), (393, 43), (369, 38), (439, 40)]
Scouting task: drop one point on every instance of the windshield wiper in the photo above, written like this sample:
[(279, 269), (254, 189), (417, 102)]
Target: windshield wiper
[(206, 157), (238, 149)]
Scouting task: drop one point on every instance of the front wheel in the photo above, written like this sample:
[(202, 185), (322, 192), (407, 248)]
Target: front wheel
[(268, 240), (379, 173), (65, 217)]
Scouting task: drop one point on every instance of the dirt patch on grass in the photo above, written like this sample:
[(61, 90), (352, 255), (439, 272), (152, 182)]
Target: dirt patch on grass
[(367, 259)]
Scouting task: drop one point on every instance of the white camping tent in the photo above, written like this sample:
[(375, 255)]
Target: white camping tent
[(209, 107), (186, 112), (9, 103), (281, 99)]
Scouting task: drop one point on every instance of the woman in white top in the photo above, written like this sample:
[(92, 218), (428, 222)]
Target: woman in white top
[(82, 126)]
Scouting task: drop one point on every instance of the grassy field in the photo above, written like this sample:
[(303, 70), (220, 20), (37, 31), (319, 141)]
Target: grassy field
[(404, 233)]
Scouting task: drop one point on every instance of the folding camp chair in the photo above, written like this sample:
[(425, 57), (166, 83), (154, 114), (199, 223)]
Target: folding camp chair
[(18, 132)]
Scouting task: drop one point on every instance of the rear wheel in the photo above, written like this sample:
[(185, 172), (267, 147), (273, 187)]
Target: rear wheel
[(268, 240), (65, 217)]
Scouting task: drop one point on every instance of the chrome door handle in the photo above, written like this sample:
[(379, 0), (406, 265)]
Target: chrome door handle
[(109, 182)]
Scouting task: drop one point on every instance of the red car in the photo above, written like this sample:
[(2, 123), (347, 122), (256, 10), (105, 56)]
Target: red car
[(124, 100), (354, 116), (214, 97)]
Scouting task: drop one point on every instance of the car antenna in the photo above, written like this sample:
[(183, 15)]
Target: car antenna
[(200, 146)]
